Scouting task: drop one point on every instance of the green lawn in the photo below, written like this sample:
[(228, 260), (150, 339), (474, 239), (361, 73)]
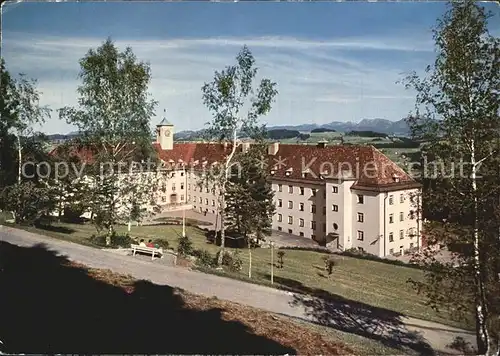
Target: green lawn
[(370, 282)]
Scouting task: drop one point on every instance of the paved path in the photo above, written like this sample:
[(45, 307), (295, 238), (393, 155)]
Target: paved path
[(409, 334)]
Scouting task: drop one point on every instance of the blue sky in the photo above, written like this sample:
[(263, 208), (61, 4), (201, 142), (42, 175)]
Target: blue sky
[(332, 61)]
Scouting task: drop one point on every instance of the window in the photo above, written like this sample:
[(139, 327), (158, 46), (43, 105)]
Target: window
[(361, 217), (213, 211), (391, 200), (182, 197), (335, 207), (301, 234), (213, 190), (194, 199), (391, 237), (290, 189), (163, 199), (411, 245), (391, 218), (401, 216), (213, 202), (324, 227), (361, 199), (194, 188), (207, 190), (401, 234), (335, 226), (290, 204), (201, 209), (401, 198), (182, 186), (290, 231), (206, 201), (290, 219), (280, 218), (313, 208), (313, 225), (189, 197), (301, 222), (280, 228), (301, 206), (411, 232), (182, 174), (301, 190), (313, 192), (313, 237), (201, 200), (361, 235), (189, 186), (173, 187), (324, 210), (280, 203), (335, 189), (391, 251), (280, 188), (412, 214)]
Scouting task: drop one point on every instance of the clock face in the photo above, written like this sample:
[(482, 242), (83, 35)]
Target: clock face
[(167, 133)]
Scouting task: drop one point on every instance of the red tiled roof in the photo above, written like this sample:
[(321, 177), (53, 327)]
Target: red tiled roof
[(369, 167)]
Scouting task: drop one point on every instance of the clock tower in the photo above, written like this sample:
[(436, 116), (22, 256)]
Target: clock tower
[(165, 134)]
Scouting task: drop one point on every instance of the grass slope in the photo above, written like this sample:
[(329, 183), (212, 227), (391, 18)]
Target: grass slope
[(369, 282)]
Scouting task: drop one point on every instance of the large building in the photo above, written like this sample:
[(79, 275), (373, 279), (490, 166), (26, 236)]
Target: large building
[(343, 195)]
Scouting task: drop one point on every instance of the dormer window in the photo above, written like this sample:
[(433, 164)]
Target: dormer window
[(305, 173), (288, 172), (273, 172), (395, 178)]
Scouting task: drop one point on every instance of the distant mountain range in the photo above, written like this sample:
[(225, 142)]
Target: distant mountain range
[(378, 125)]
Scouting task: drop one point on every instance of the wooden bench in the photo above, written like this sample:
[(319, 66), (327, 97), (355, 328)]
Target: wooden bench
[(149, 250)]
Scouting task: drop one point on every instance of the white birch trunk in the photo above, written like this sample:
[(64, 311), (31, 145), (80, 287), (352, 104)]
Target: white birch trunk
[(227, 169), (481, 311)]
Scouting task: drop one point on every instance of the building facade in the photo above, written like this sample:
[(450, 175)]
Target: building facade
[(344, 196)]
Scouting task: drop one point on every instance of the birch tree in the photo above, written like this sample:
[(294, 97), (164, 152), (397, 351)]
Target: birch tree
[(113, 115), (457, 115), (235, 107)]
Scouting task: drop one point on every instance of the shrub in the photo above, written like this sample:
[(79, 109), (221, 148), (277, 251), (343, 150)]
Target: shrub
[(162, 243), (117, 240), (73, 213), (329, 264), (237, 263), (185, 247), (232, 262), (205, 258), (311, 248), (281, 254)]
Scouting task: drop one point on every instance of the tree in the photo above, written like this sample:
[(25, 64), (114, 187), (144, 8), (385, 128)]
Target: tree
[(249, 198), (457, 115), (113, 115), (20, 109), (235, 109)]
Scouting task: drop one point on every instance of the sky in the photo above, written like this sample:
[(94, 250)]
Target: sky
[(332, 61)]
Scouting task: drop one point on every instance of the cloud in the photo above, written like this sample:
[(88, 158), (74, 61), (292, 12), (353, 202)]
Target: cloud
[(318, 81)]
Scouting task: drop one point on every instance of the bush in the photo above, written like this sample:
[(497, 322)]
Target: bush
[(117, 240), (185, 247), (205, 258), (320, 249), (281, 254), (73, 213), (367, 256), (232, 262), (329, 264), (162, 243)]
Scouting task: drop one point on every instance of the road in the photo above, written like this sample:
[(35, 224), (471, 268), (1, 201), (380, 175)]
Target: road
[(408, 334)]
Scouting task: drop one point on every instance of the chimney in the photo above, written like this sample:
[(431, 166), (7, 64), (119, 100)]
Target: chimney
[(273, 148), (322, 144)]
